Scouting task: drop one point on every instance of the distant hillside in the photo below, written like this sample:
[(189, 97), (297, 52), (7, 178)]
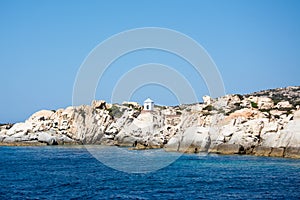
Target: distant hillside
[(291, 94)]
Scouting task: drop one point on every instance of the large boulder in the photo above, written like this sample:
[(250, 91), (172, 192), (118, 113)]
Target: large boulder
[(271, 126), (131, 104), (21, 128), (283, 104), (248, 141), (173, 144), (99, 104), (47, 137), (10, 139), (244, 113), (3, 132), (86, 124), (269, 139), (288, 136), (292, 131), (193, 140), (41, 115), (128, 140), (262, 102), (141, 129)]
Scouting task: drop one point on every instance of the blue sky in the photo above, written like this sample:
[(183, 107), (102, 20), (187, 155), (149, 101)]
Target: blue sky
[(255, 45)]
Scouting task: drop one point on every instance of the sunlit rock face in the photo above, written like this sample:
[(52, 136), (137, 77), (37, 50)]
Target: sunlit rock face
[(265, 123)]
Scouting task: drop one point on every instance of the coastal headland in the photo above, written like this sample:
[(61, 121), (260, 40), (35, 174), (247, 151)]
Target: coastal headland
[(265, 123)]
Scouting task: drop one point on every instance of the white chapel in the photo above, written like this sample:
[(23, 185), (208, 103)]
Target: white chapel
[(148, 104)]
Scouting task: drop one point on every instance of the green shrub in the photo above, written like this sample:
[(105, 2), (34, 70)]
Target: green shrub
[(209, 108), (276, 101), (289, 112), (254, 105), (115, 111)]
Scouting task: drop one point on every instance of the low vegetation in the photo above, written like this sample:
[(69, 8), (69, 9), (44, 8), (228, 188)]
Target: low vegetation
[(254, 105), (115, 111), (209, 108)]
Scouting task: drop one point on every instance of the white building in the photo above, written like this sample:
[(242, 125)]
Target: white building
[(148, 104)]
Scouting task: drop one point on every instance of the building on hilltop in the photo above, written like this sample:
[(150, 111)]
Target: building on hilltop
[(148, 104)]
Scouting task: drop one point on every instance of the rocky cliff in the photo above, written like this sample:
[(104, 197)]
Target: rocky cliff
[(265, 123)]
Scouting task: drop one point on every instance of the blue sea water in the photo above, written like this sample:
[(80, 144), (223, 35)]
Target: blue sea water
[(71, 172)]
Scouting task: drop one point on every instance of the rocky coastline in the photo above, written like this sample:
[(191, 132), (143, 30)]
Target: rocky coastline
[(265, 123)]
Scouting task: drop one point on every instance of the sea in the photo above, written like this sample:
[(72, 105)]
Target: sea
[(74, 172)]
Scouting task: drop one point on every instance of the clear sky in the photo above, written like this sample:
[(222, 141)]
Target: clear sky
[(255, 45)]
